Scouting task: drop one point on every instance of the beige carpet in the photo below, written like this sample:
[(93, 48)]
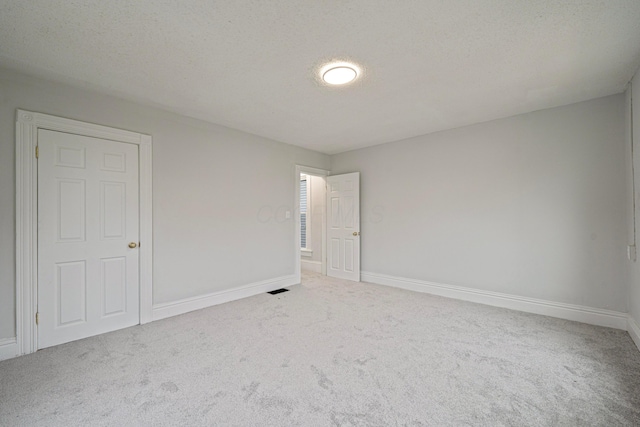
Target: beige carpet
[(332, 352)]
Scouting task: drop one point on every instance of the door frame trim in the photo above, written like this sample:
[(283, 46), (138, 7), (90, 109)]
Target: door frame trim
[(27, 125), (315, 172)]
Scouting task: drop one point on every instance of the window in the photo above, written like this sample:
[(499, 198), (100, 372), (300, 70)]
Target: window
[(303, 211)]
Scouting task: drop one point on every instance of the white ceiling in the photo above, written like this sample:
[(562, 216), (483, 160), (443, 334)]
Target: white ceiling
[(252, 65)]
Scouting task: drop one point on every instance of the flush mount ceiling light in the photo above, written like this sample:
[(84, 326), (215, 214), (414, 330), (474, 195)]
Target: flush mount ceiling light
[(339, 74)]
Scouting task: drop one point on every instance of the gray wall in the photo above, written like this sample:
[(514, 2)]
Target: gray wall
[(216, 192), (531, 205), (633, 122)]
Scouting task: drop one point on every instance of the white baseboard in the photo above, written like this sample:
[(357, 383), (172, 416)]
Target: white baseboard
[(634, 330), (162, 311), (311, 265), (8, 348), (578, 313)]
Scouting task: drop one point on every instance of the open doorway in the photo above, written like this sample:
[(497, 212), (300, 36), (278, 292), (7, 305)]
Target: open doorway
[(311, 253)]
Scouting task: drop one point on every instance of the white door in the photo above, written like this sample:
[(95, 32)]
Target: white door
[(343, 234), (88, 218)]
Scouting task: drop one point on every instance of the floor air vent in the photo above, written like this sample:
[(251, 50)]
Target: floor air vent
[(278, 291)]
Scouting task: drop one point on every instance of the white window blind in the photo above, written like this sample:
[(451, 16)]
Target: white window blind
[(303, 212)]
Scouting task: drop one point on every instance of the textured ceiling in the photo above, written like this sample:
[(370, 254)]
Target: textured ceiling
[(252, 65)]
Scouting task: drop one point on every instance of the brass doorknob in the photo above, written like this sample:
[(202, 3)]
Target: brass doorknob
[(356, 233), (133, 245)]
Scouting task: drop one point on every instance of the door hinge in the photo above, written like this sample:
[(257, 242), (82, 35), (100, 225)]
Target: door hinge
[(37, 152), (37, 318)]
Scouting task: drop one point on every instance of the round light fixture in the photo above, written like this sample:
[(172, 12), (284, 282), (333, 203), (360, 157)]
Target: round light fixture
[(339, 75)]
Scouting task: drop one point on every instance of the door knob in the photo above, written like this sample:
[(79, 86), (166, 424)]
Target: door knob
[(133, 245), (356, 233)]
